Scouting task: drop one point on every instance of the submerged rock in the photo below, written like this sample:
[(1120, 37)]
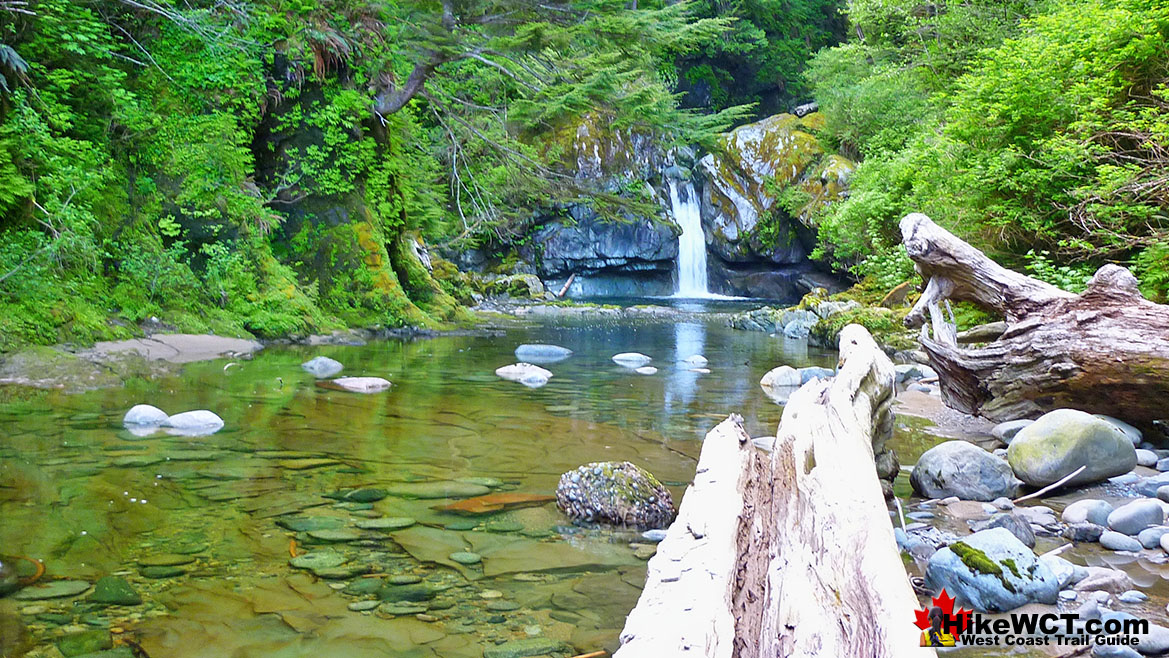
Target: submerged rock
[(112, 590), (322, 367), (360, 384), (541, 353), (529, 375), (144, 414), (617, 493), (534, 646), (992, 571), (646, 370), (1064, 440), (962, 469)]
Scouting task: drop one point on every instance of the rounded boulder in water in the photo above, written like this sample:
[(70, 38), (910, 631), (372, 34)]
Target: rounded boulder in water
[(194, 423), (322, 367), (144, 414), (1064, 440), (529, 375), (542, 353), (631, 359)]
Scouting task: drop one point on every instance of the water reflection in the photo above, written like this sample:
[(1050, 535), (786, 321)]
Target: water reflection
[(93, 500)]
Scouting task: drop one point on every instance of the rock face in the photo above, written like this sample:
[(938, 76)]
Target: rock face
[(992, 571), (616, 493), (962, 469), (745, 229), (1065, 439)]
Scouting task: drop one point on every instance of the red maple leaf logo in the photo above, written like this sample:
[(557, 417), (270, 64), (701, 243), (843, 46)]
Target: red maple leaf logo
[(946, 603)]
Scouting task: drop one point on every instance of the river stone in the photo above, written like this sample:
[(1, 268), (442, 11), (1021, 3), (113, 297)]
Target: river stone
[(533, 646), (695, 361), (363, 586), (1130, 519), (484, 481), (992, 571), (363, 495), (1115, 541), (646, 370), (165, 560), (397, 609), (322, 367), (815, 372), (1131, 432), (617, 493), (1148, 458), (55, 589), (1088, 510), (962, 469), (161, 572), (500, 605), (112, 590), (435, 490), (529, 375), (84, 642), (361, 606), (466, 557), (1151, 537), (1149, 486), (385, 523), (308, 523), (343, 572), (781, 377), (196, 422), (144, 414), (1083, 532), (404, 579), (314, 560), (541, 353), (631, 359), (1064, 440), (1018, 527), (411, 593), (335, 535), (1006, 432), (362, 384)]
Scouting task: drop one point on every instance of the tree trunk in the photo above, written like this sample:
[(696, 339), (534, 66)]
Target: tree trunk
[(1103, 351), (792, 553)]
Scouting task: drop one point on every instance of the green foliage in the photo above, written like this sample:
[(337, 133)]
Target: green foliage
[(1071, 278), (1048, 143), (760, 57)]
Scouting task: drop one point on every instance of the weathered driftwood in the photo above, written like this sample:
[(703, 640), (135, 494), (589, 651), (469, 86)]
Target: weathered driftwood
[(1103, 351), (789, 553)]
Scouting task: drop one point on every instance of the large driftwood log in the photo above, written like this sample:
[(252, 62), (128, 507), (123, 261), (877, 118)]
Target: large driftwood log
[(1103, 351), (792, 553)]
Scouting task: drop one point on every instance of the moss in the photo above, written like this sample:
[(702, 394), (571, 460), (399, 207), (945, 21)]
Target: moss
[(885, 324), (978, 562), (1010, 564)]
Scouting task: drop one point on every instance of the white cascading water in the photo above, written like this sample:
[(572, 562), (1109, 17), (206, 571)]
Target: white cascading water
[(691, 244)]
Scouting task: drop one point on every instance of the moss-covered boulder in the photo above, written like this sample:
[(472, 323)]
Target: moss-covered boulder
[(1062, 441), (617, 493), (516, 286), (992, 571)]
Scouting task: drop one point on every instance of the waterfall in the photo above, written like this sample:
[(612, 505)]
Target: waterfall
[(691, 244)]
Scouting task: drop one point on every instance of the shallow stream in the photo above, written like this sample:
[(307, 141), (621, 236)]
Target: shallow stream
[(203, 528)]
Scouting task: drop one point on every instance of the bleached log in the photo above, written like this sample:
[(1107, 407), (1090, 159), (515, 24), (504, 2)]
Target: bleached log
[(789, 553), (1103, 351)]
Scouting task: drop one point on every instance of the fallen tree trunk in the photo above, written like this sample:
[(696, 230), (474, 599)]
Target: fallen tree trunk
[(792, 553), (1103, 351)]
